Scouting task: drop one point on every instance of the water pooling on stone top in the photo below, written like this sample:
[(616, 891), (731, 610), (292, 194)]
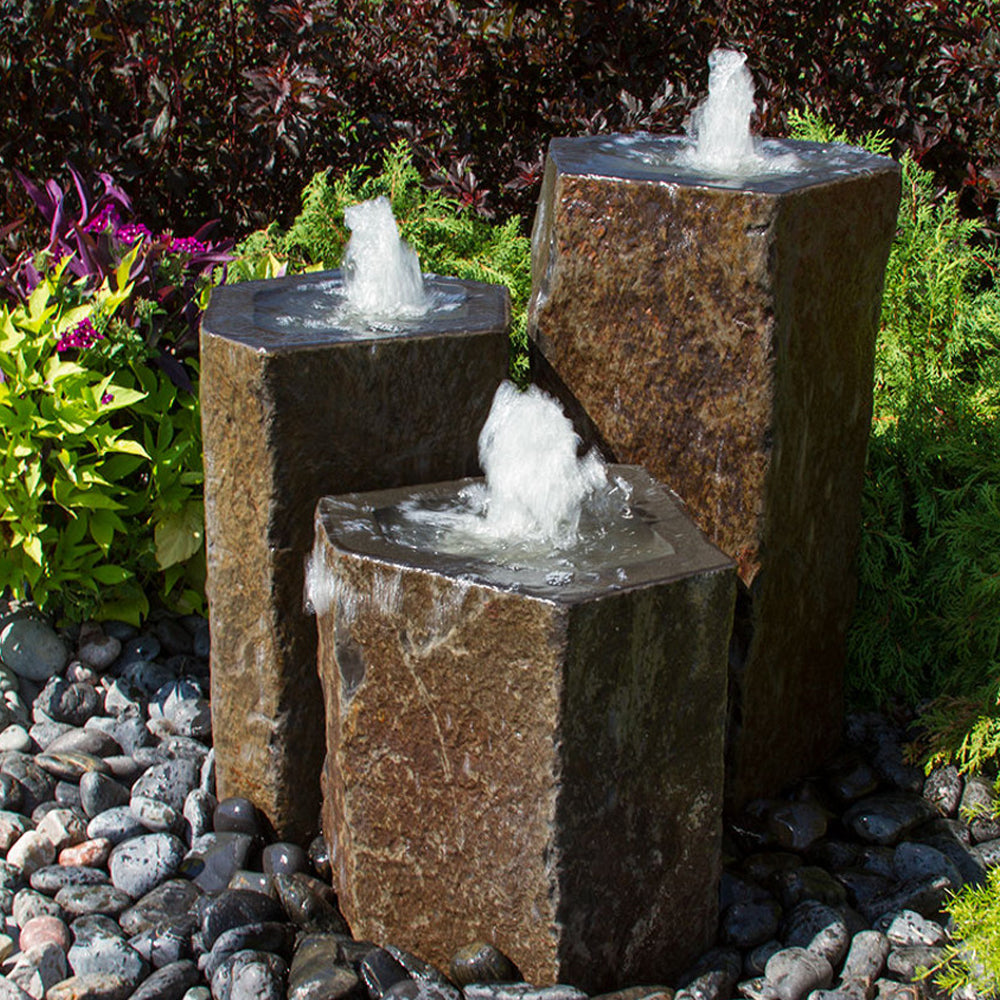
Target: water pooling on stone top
[(542, 509), (379, 289)]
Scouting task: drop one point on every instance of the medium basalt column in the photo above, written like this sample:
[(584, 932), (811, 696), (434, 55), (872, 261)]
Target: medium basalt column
[(721, 335), (533, 763), (295, 407)]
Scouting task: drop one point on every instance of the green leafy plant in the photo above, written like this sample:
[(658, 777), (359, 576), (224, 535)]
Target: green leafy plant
[(101, 461), (974, 961), (927, 621), (448, 238)]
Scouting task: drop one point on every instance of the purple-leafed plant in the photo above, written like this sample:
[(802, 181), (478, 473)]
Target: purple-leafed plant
[(97, 232)]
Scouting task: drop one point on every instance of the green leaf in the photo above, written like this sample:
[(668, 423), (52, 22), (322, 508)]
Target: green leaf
[(180, 535), (109, 574)]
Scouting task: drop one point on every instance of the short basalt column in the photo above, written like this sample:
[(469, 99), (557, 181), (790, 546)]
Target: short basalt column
[(295, 407), (720, 334), (523, 757)]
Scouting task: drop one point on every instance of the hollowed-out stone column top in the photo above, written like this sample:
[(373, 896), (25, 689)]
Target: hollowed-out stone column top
[(656, 158), (658, 543), (299, 312)]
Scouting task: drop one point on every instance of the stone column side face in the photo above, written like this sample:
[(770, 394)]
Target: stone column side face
[(639, 816), (284, 424), (441, 774), (723, 339), (831, 247), (545, 774)]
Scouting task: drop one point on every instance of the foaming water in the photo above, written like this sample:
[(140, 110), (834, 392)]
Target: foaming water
[(382, 278), (719, 127), (542, 508)]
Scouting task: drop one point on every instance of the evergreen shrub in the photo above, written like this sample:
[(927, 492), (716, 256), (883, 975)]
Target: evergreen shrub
[(927, 620)]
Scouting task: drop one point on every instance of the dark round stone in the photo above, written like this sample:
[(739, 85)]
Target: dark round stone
[(748, 924), (319, 855), (380, 971), (481, 962), (236, 815), (236, 908), (284, 859)]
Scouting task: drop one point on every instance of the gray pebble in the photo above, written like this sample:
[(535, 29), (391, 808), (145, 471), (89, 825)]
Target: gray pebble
[(887, 818), (28, 904), (943, 789), (148, 676), (909, 929), (920, 861), (317, 972), (198, 809), (15, 737), (926, 896), (69, 703), (166, 901), (169, 783), (32, 649), (977, 808), (100, 652), (521, 991), (819, 928), (169, 982), (795, 972), (52, 878), (99, 793), (168, 941), (907, 962), (256, 974), (236, 908), (97, 952), (142, 863), (116, 824), (215, 857), (85, 900)]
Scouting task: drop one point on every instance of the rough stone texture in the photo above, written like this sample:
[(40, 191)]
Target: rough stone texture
[(723, 339), (544, 766), (287, 418)]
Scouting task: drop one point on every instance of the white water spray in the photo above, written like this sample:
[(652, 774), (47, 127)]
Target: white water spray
[(382, 278), (535, 488), (719, 127)]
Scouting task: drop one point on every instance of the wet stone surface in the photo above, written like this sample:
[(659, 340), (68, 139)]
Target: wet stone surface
[(832, 892)]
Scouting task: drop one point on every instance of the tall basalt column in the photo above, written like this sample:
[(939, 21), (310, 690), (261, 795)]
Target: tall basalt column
[(528, 760), (722, 336), (293, 408)]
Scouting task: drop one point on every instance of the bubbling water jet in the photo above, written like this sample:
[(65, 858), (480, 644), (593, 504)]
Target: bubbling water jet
[(719, 127), (382, 278), (536, 486)]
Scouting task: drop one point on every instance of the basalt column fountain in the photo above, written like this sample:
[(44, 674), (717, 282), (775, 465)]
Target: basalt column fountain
[(525, 711), (712, 303), (316, 384)]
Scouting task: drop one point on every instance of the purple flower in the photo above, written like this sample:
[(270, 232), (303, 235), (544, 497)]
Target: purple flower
[(108, 397), (82, 335), (107, 218), (131, 232), (187, 244)]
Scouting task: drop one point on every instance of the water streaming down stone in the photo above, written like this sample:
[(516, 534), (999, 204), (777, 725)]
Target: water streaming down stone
[(303, 395)]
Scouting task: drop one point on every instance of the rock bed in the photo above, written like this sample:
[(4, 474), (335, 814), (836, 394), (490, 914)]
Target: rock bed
[(123, 876)]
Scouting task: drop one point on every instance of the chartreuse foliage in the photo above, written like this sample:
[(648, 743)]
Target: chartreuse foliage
[(927, 621), (101, 466), (448, 238), (975, 960)]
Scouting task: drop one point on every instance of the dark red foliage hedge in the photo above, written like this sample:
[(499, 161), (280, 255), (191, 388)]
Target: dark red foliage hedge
[(223, 108)]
